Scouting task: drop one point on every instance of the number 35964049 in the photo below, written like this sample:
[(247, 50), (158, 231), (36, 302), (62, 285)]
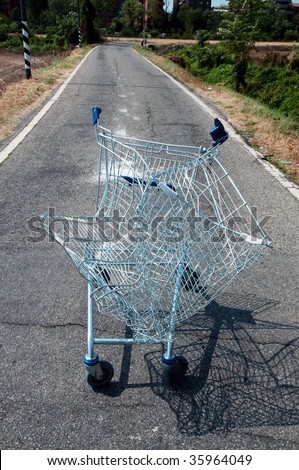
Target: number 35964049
[(227, 459)]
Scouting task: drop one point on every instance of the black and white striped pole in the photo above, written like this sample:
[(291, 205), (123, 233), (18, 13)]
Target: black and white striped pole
[(79, 21), (25, 39)]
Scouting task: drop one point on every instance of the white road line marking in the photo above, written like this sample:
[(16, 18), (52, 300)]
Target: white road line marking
[(21, 136)]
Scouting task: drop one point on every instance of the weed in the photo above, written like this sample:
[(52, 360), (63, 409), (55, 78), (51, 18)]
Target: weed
[(246, 133)]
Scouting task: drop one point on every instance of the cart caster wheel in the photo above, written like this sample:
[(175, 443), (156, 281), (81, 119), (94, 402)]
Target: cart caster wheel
[(108, 373), (174, 373)]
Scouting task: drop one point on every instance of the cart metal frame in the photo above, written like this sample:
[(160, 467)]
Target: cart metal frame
[(117, 156)]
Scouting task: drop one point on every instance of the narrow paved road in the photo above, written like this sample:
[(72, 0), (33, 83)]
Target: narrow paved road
[(241, 391)]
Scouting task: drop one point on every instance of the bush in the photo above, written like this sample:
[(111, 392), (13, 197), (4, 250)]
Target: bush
[(114, 27), (128, 32), (15, 42), (3, 32), (282, 92), (15, 27), (154, 33), (291, 35), (294, 64), (224, 74), (207, 57), (202, 36), (64, 34), (45, 44), (275, 86)]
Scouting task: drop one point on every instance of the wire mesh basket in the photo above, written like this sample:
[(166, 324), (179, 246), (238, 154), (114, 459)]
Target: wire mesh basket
[(170, 232)]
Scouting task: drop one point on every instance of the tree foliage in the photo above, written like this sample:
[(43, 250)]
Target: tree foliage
[(88, 14), (241, 25), (36, 9), (155, 18), (240, 32), (131, 17)]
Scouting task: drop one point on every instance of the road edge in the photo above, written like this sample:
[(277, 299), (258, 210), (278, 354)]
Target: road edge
[(4, 154)]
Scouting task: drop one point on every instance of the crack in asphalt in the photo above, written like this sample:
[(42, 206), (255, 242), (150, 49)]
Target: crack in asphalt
[(64, 325), (149, 119), (42, 325)]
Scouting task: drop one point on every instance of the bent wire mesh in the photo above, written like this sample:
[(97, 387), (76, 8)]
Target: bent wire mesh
[(170, 232)]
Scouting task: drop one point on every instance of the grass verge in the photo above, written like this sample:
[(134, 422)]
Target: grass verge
[(22, 97)]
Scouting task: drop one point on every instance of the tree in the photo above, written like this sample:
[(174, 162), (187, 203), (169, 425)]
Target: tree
[(105, 11), (60, 23), (88, 15), (154, 15), (240, 33), (35, 8), (58, 8), (273, 22), (190, 20), (131, 16)]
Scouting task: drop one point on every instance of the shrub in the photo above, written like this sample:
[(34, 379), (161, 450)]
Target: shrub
[(3, 32), (15, 42), (154, 33), (223, 74), (202, 36), (15, 27), (178, 60), (45, 44), (294, 64), (291, 35), (275, 86), (128, 32)]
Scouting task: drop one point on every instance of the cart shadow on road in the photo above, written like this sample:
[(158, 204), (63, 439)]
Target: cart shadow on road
[(243, 369), (244, 373)]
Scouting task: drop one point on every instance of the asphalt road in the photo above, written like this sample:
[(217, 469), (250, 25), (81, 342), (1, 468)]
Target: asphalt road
[(241, 389)]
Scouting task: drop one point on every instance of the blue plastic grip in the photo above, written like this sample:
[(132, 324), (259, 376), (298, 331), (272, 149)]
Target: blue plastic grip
[(218, 133), (96, 111)]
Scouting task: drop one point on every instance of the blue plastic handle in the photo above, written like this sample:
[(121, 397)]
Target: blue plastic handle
[(96, 111), (218, 133)]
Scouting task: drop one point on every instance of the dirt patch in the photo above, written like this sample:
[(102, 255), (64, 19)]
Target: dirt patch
[(271, 55), (19, 96), (190, 42), (12, 67), (158, 41)]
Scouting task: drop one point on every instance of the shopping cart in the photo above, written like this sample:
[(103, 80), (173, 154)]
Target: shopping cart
[(170, 232)]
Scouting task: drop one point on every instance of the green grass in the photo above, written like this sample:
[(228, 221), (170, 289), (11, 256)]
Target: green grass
[(246, 133)]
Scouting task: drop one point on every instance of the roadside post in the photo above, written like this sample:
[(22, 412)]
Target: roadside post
[(79, 21), (25, 39)]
